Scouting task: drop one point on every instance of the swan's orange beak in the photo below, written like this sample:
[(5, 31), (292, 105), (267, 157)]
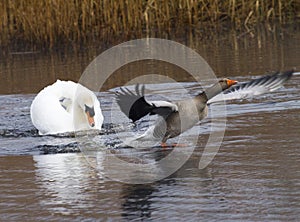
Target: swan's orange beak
[(90, 119), (231, 82)]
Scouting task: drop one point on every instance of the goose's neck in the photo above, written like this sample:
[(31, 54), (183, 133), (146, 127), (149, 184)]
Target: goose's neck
[(211, 92)]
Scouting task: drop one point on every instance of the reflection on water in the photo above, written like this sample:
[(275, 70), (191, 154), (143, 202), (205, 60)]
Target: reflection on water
[(254, 176), (246, 181), (229, 54), (63, 179)]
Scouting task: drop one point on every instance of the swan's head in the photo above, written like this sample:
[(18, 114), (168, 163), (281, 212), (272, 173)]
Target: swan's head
[(90, 113), (85, 100)]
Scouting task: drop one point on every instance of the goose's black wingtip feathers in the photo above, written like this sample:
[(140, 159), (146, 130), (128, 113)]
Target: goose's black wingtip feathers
[(135, 106), (133, 103)]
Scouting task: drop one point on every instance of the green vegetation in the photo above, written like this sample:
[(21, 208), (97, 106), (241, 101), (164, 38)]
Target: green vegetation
[(51, 22)]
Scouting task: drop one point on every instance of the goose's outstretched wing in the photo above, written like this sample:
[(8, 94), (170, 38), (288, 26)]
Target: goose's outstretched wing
[(134, 105), (264, 84)]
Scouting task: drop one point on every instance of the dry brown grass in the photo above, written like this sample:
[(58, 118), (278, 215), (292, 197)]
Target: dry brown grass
[(51, 22)]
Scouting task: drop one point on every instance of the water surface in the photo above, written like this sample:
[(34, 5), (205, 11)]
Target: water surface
[(254, 176)]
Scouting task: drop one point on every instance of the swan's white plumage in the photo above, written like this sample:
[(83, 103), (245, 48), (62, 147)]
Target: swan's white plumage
[(59, 108)]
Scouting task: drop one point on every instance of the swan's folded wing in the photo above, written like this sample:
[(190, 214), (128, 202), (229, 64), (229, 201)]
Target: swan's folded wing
[(254, 87), (134, 105)]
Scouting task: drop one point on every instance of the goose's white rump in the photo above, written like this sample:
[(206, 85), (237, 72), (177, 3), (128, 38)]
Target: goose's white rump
[(65, 106)]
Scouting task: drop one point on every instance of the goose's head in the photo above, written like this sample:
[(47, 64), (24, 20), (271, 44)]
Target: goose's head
[(217, 88), (226, 83), (85, 101)]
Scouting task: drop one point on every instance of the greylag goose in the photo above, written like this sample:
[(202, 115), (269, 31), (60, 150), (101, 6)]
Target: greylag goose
[(182, 115)]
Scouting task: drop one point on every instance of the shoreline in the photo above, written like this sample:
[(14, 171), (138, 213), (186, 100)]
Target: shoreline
[(47, 25), (204, 35)]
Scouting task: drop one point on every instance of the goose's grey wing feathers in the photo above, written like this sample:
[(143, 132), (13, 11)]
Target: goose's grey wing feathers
[(264, 84)]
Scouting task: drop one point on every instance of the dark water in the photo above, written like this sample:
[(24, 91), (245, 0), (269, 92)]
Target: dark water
[(254, 176)]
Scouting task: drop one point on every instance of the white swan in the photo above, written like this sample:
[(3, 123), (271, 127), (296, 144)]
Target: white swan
[(65, 106)]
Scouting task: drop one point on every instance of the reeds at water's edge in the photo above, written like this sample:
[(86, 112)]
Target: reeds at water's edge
[(51, 22)]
